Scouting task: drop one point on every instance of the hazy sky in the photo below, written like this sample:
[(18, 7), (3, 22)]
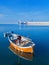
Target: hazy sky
[(12, 11)]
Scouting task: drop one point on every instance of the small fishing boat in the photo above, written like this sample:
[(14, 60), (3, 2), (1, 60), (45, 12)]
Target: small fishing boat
[(20, 43)]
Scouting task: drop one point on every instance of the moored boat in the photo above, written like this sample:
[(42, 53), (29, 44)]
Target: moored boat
[(20, 43)]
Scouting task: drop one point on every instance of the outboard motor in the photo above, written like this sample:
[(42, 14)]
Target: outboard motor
[(6, 34)]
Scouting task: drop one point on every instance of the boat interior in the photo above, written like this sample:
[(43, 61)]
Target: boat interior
[(24, 42)]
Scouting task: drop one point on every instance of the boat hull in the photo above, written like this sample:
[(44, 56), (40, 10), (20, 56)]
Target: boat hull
[(27, 56), (22, 49)]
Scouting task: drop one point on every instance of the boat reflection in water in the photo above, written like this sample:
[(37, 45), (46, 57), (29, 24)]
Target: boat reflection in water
[(24, 55)]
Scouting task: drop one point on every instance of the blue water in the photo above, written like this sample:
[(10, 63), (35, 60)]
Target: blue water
[(39, 35)]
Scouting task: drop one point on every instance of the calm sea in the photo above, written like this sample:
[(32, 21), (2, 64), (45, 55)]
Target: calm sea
[(39, 35)]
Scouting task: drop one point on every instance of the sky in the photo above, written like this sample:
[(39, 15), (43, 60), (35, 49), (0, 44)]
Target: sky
[(12, 11)]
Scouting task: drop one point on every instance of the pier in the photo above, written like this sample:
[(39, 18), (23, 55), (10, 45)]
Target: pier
[(36, 23)]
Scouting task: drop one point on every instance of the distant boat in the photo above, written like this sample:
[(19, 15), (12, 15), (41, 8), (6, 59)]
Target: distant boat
[(22, 22), (20, 43)]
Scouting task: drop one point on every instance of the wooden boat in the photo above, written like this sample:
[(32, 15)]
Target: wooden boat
[(27, 56), (24, 45)]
